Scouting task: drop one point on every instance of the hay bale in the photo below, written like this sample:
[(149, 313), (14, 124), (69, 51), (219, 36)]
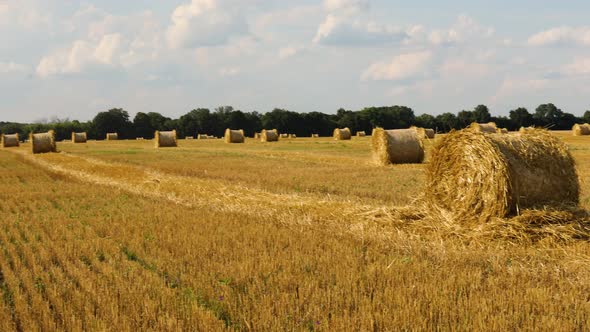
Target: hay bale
[(398, 146), (79, 137), (189, 137), (501, 131), (284, 136), (43, 142), (429, 132), (524, 130), (581, 129), (139, 138), (202, 136), (361, 134), (165, 139), (211, 137), (292, 136), (9, 140), (234, 136), (257, 135), (342, 134), (481, 176), (112, 136), (269, 135), (489, 127), (315, 135)]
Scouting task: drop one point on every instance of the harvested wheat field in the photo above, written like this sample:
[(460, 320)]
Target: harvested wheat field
[(305, 234)]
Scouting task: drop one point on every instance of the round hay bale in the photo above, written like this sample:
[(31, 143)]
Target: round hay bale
[(342, 134), (284, 136), (489, 127), (292, 136), (481, 176), (581, 129), (139, 138), (112, 136), (398, 146), (79, 137), (429, 132), (165, 139), (234, 136), (43, 142), (211, 137), (361, 134), (202, 136), (269, 135), (315, 135), (190, 137), (10, 140), (257, 135)]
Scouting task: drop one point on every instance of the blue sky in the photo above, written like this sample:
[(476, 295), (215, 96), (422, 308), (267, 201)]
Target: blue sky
[(75, 58)]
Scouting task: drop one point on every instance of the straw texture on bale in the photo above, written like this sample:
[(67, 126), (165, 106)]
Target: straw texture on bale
[(269, 135), (489, 127), (342, 134), (502, 131), (398, 146), (165, 139), (43, 142), (480, 176), (581, 129), (112, 136), (423, 132), (234, 136), (361, 134), (10, 140), (202, 136), (79, 137), (524, 130), (315, 135)]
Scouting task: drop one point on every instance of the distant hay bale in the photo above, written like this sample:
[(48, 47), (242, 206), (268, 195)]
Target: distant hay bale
[(190, 137), (269, 135), (43, 142), (398, 146), (342, 134), (257, 135), (502, 131), (430, 133), (234, 136), (315, 135), (284, 136), (581, 129), (361, 134), (202, 136), (112, 136), (211, 137), (165, 139), (481, 176), (79, 137), (292, 136), (489, 127), (9, 140), (139, 138)]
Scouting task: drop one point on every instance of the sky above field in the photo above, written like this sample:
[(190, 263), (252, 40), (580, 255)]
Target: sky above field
[(72, 59)]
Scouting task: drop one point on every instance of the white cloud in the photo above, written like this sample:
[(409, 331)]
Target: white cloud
[(401, 67), (11, 67), (580, 66), (337, 30), (204, 23), (519, 86), (346, 6), (24, 14), (564, 35), (463, 30)]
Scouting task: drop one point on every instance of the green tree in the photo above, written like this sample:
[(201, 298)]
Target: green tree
[(520, 117), (113, 120)]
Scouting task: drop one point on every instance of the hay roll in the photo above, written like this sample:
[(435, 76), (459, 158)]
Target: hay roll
[(342, 134), (190, 137), (112, 136), (399, 146), (481, 176), (284, 135), (292, 136), (269, 135), (315, 135), (361, 134), (234, 136), (581, 129), (489, 127), (43, 142), (79, 137), (165, 139), (10, 140), (211, 137), (202, 136), (429, 133)]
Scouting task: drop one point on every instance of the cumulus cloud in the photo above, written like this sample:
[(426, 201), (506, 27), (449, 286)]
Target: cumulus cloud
[(346, 6), (337, 30), (402, 67), (464, 29), (204, 23), (564, 35)]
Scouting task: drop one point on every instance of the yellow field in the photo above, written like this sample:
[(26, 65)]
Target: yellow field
[(303, 234)]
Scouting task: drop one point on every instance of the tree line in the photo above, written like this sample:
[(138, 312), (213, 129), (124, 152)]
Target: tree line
[(205, 121)]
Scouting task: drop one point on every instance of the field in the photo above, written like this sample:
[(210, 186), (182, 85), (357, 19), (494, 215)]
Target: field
[(303, 234)]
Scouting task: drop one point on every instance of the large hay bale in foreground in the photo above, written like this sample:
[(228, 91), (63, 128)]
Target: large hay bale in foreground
[(581, 129), (79, 137), (342, 134), (9, 140), (112, 136), (489, 127), (398, 146), (43, 142), (269, 135), (361, 134), (165, 139), (480, 176), (234, 136)]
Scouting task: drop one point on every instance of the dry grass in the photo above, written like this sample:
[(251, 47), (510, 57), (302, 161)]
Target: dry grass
[(143, 249)]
